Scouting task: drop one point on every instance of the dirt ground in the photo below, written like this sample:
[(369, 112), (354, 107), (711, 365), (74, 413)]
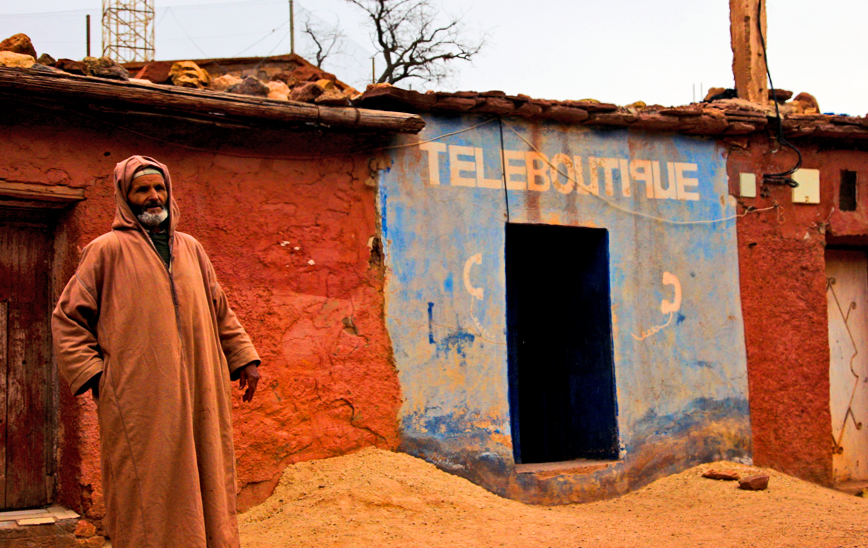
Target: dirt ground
[(380, 499)]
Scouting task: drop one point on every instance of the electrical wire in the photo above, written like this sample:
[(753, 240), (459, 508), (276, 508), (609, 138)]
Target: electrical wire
[(784, 177), (225, 71), (503, 169)]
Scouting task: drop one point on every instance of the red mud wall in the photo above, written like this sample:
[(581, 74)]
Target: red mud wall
[(289, 240), (783, 292)]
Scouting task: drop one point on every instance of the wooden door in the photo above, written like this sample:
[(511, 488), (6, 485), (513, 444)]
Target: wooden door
[(847, 297), (26, 409)]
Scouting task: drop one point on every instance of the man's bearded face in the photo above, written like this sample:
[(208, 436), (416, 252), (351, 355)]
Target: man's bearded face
[(147, 198)]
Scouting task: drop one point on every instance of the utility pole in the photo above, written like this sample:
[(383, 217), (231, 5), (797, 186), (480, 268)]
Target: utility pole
[(87, 24), (291, 27), (747, 19)]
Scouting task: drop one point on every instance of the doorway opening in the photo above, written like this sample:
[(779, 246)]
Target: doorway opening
[(559, 336)]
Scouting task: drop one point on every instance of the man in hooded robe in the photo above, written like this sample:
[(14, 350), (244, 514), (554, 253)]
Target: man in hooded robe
[(145, 326)]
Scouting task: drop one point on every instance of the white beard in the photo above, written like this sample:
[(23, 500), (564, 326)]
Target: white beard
[(152, 220)]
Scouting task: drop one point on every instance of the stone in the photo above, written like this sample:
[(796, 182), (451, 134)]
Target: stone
[(188, 74), (285, 77), (305, 93), (312, 74), (757, 482), (71, 66), (332, 97), (528, 110), (278, 90), (105, 67), (495, 105), (564, 114), (725, 475), (43, 68), (16, 60), (158, 72), (455, 103), (249, 86), (780, 95), (19, 43), (351, 93), (712, 92), (222, 83), (46, 60), (807, 103), (325, 84), (92, 542), (85, 529), (863, 493)]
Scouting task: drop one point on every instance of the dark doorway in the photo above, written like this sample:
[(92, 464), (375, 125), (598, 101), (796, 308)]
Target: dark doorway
[(26, 409), (559, 335)]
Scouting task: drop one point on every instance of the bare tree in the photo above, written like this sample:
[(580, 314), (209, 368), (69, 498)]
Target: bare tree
[(326, 41), (415, 41)]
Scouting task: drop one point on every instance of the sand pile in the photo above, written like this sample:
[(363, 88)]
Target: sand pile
[(380, 499)]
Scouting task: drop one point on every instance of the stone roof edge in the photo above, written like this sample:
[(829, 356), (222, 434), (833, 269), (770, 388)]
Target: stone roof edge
[(36, 82), (723, 118)]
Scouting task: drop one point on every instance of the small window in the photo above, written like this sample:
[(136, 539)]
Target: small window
[(559, 336), (847, 192)]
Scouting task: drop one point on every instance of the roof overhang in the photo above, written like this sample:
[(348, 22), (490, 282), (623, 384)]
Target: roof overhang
[(187, 103)]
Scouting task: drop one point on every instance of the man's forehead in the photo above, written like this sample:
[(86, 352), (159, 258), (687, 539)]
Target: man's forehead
[(147, 179)]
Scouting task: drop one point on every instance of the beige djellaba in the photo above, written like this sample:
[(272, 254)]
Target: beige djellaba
[(167, 344)]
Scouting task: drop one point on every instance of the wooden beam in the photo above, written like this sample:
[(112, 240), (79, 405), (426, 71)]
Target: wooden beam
[(59, 86), (747, 19), (40, 193)]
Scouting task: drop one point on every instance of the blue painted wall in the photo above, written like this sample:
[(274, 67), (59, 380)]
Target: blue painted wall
[(680, 366)]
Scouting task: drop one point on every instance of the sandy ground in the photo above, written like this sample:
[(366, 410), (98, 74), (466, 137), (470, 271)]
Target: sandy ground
[(379, 499)]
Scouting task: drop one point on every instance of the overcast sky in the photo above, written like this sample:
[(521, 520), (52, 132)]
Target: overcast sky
[(619, 51)]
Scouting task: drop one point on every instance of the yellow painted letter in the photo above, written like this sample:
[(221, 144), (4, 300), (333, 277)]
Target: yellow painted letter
[(481, 181), (433, 148), (581, 187), (569, 173), (682, 182), (509, 157), (456, 166), (535, 173), (640, 170), (664, 193)]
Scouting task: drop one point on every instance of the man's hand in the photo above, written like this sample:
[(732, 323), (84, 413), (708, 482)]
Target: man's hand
[(249, 377)]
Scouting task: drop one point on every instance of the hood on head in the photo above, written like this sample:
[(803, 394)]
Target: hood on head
[(123, 178)]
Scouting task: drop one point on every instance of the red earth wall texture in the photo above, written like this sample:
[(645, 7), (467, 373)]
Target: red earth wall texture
[(290, 241), (783, 292)]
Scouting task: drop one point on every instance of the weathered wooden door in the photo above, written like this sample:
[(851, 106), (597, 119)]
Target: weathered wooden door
[(25, 384), (847, 296)]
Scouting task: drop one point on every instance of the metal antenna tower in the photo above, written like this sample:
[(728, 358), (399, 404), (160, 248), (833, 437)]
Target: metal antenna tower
[(128, 30)]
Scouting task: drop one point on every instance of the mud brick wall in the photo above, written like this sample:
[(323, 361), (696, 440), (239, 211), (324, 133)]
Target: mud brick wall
[(289, 221), (783, 292)]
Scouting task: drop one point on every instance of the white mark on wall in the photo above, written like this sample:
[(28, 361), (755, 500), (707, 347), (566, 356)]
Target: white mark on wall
[(477, 292), (666, 307)]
